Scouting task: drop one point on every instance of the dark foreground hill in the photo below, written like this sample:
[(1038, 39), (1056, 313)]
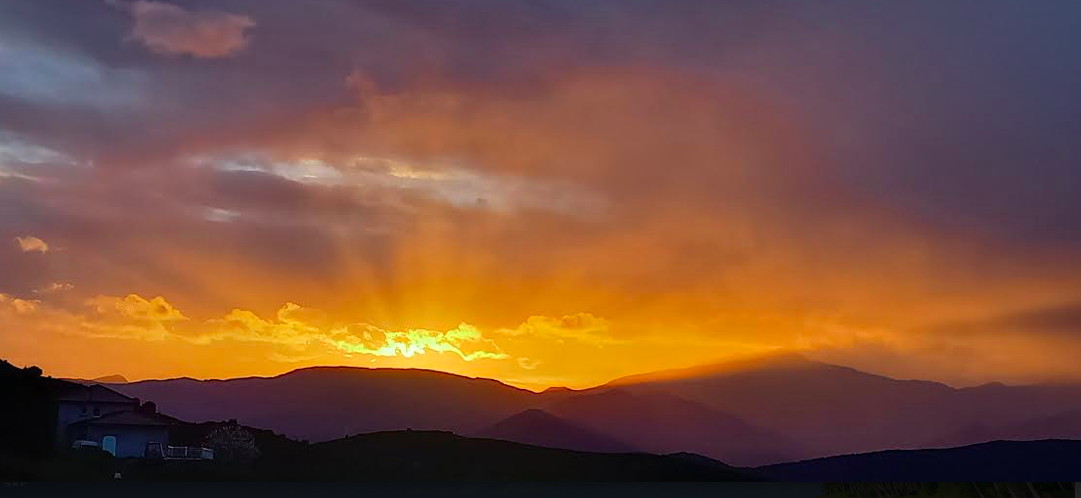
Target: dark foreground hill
[(434, 456), (1021, 461), (443, 456)]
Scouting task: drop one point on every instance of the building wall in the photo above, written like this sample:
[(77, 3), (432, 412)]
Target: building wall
[(73, 411), (131, 440)]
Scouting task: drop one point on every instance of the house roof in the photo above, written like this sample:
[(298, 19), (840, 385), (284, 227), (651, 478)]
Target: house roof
[(96, 393), (128, 418)]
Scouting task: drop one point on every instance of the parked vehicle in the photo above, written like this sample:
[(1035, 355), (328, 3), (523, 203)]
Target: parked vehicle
[(160, 451), (84, 444)]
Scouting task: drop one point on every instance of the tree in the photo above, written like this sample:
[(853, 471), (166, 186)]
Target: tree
[(232, 442)]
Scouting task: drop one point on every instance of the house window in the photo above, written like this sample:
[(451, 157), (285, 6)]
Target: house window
[(97, 411)]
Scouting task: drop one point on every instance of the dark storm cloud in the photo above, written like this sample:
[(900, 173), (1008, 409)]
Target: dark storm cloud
[(959, 117)]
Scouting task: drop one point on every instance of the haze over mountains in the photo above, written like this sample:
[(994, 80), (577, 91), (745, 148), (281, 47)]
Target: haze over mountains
[(772, 409)]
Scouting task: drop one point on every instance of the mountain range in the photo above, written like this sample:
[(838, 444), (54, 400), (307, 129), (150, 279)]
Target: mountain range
[(777, 408)]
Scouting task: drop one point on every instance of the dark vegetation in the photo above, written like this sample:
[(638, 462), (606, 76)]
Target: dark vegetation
[(28, 450), (948, 489), (433, 456), (228, 440), (27, 420), (442, 456), (1049, 460)]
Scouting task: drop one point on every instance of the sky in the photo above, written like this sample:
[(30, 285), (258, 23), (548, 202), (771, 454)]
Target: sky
[(549, 193)]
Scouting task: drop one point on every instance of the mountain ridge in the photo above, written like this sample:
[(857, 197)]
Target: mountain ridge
[(540, 428), (800, 408)]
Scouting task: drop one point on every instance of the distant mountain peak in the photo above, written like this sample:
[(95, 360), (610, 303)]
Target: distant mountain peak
[(111, 379), (107, 379)]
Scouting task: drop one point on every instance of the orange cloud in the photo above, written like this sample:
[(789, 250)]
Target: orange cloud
[(18, 306), (582, 327), (294, 328), (465, 341), (131, 317), (29, 243)]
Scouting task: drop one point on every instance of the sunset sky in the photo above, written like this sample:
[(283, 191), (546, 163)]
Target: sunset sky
[(543, 192)]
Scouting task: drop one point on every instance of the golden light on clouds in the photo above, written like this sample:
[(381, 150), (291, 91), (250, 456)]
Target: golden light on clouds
[(30, 243)]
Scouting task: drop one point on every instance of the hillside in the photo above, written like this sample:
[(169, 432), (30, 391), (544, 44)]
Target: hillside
[(1021, 461), (663, 423), (442, 456), (540, 428), (755, 411), (836, 410), (320, 404)]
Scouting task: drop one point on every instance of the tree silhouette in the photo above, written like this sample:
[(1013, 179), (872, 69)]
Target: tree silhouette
[(232, 442)]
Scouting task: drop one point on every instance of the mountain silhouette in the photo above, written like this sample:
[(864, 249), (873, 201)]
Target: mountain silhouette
[(107, 379), (540, 428), (837, 410), (1064, 426), (324, 403), (663, 423), (1019, 461), (111, 379), (754, 411)]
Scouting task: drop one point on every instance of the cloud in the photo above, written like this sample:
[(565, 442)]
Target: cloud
[(55, 287), (132, 317), (138, 308), (1062, 321), (293, 328), (528, 363), (453, 175), (17, 306), (169, 29), (465, 341), (401, 182), (30, 243), (583, 327)]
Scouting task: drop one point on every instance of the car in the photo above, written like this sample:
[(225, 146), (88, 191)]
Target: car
[(84, 444)]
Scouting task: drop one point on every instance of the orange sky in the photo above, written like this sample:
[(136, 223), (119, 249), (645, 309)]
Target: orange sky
[(542, 199)]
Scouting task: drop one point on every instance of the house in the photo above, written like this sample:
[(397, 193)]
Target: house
[(110, 419), (127, 434)]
